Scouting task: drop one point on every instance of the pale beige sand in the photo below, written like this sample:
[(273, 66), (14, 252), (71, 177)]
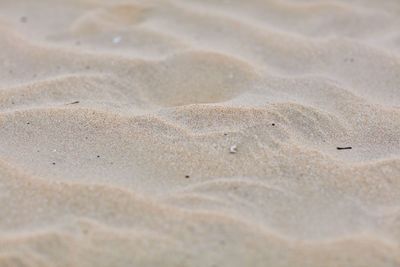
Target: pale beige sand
[(140, 171)]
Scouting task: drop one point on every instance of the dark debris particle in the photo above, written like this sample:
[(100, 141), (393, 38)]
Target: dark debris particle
[(349, 59), (54, 163), (225, 134), (73, 103), (273, 124), (87, 67), (187, 176), (28, 123), (23, 19), (98, 156), (344, 148)]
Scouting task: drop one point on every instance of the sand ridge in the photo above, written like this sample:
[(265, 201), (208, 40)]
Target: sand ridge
[(199, 133)]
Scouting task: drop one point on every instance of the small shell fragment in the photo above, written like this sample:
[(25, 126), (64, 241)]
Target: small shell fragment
[(233, 149)]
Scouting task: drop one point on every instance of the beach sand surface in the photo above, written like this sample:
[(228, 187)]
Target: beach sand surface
[(199, 133)]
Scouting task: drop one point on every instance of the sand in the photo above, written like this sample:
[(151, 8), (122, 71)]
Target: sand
[(199, 133)]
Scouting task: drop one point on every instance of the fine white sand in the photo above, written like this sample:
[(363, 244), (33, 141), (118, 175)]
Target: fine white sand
[(199, 133)]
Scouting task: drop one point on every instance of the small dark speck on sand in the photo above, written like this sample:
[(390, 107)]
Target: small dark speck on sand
[(98, 156), (344, 148), (225, 134), (28, 123), (72, 103), (273, 124), (187, 176), (23, 19), (87, 67), (54, 163)]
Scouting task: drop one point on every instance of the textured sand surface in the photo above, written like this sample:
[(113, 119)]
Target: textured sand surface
[(199, 133)]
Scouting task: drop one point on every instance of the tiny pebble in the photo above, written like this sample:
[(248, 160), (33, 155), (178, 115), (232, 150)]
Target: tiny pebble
[(117, 39)]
